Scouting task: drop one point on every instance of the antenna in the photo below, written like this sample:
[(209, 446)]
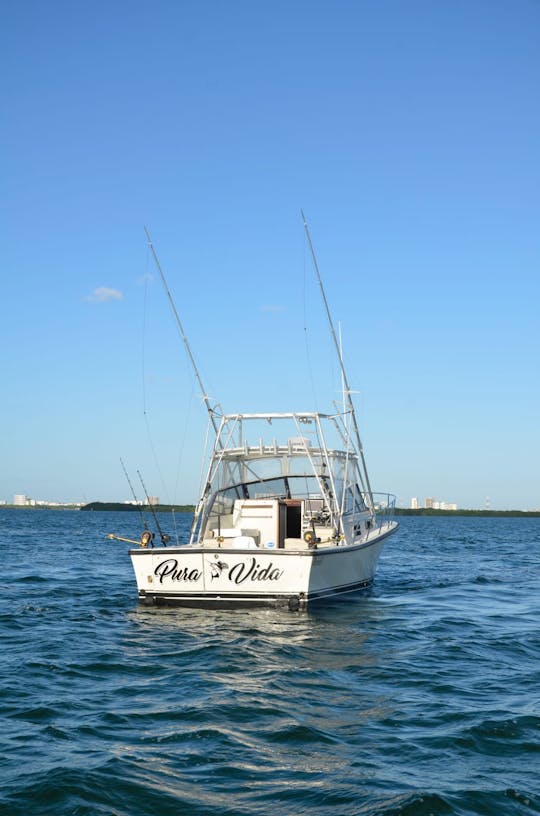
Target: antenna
[(212, 409), (347, 390)]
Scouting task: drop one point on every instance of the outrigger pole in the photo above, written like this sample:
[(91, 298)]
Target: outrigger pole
[(340, 358), (212, 409)]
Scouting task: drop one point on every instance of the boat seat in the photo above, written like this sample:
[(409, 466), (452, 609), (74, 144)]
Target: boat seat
[(234, 538), (295, 544), (238, 543), (227, 532), (243, 542), (235, 532)]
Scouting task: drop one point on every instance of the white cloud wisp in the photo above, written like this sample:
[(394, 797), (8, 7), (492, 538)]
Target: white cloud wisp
[(103, 294)]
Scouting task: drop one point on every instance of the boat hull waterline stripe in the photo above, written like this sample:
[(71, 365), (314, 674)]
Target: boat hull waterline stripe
[(237, 599)]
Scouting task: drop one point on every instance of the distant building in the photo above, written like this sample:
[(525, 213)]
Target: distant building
[(433, 504), (20, 500), (414, 504), (153, 500)]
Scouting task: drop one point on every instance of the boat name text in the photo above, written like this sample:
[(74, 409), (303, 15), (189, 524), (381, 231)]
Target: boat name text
[(253, 571), (170, 569), (240, 572)]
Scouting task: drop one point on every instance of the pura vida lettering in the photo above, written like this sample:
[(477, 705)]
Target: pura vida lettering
[(170, 569), (239, 573), (253, 571)]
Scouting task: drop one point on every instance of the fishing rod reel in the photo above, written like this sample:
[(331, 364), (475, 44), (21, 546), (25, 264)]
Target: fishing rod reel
[(147, 538)]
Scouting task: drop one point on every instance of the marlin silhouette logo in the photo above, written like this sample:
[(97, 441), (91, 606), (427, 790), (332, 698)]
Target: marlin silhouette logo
[(217, 567)]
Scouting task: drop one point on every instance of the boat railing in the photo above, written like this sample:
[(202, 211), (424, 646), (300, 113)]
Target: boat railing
[(384, 505), (294, 447)]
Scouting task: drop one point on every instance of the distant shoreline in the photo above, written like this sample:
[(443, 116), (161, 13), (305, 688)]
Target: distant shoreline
[(64, 507), (156, 508), (424, 511), (190, 508), (104, 507)]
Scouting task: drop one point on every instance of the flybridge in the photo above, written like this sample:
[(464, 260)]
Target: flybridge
[(324, 483), (232, 430)]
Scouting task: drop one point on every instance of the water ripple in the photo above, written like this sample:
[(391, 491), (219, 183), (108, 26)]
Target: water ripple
[(419, 697)]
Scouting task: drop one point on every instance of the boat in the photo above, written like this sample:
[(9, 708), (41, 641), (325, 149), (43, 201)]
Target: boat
[(286, 517)]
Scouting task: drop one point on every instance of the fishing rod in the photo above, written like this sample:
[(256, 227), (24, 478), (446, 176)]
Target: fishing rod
[(212, 409), (347, 389), (143, 519), (164, 537)]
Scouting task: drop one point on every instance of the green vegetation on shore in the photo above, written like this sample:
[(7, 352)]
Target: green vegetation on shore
[(399, 511), (41, 506), (425, 511), (158, 508)]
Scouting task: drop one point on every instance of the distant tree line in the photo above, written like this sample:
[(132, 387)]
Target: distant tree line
[(158, 508), (429, 511)]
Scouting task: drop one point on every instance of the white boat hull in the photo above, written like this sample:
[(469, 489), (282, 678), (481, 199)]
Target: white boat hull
[(286, 513), (224, 577)]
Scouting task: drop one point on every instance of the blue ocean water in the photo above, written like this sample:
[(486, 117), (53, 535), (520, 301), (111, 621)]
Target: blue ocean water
[(420, 697)]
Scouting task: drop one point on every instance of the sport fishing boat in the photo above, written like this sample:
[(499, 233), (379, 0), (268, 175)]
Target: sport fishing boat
[(286, 516)]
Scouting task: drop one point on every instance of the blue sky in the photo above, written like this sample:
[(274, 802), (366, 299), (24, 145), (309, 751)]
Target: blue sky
[(409, 132)]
